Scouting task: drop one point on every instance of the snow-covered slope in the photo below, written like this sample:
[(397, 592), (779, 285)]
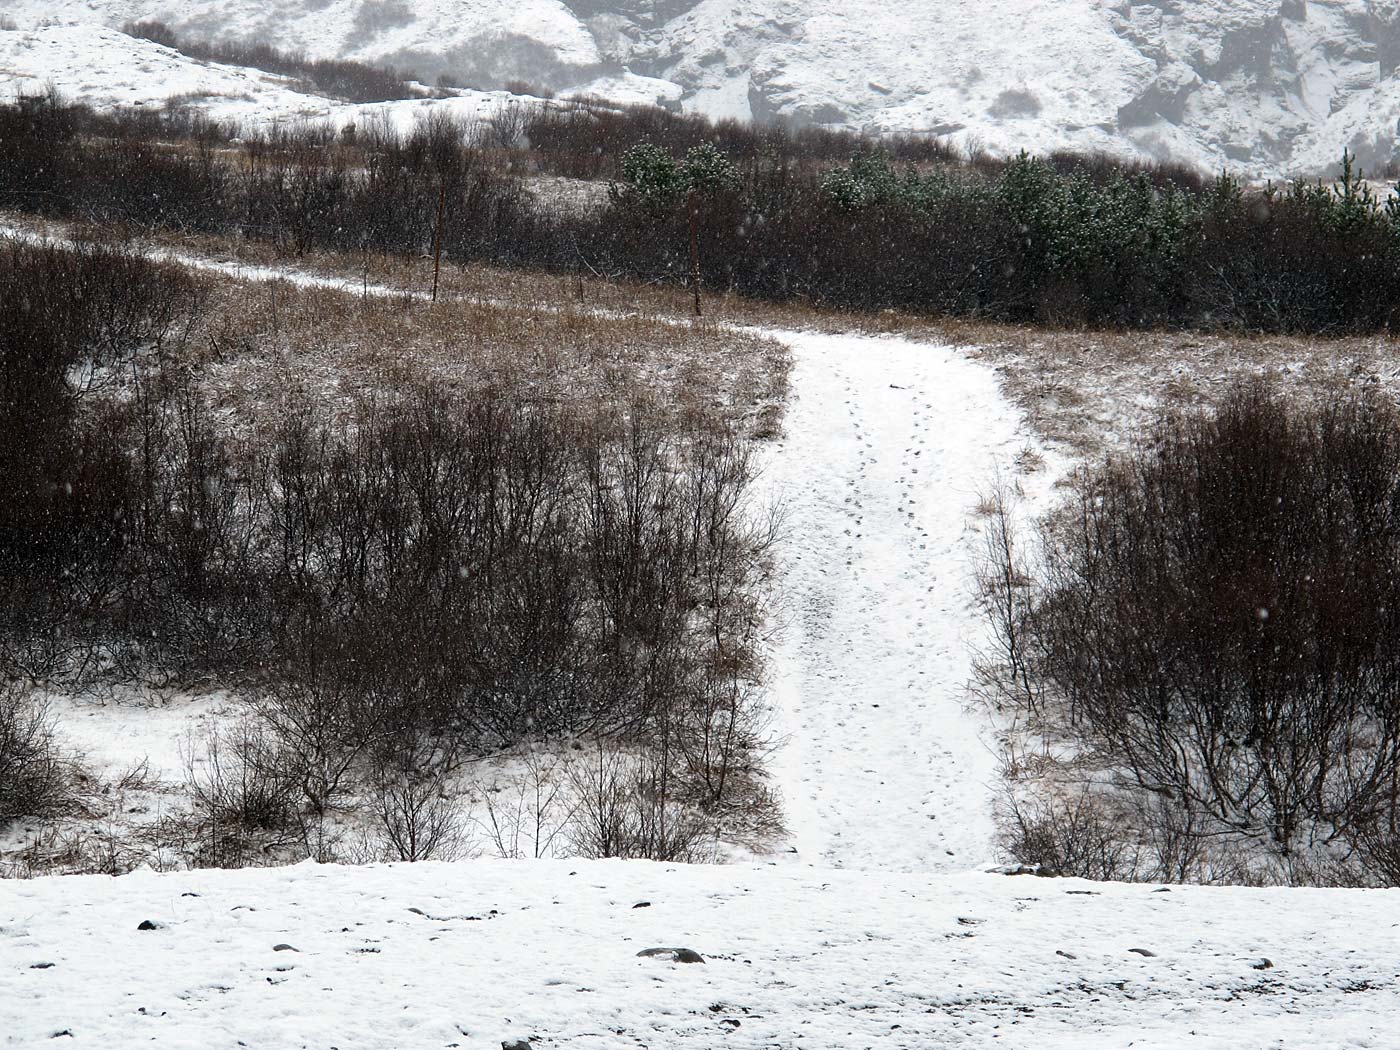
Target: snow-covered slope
[(1265, 86), (472, 954), (105, 68)]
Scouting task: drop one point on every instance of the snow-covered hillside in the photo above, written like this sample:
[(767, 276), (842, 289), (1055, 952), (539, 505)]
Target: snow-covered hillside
[(1264, 86), (105, 68), (471, 955)]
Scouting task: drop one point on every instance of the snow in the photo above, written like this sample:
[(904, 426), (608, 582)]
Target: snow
[(1269, 88), (107, 69), (888, 445), (426, 37), (152, 730), (471, 954)]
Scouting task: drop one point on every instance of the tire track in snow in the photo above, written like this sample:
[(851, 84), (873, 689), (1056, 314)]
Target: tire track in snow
[(888, 444)]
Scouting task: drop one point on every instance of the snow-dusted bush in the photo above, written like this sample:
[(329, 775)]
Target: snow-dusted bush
[(35, 779), (1216, 618)]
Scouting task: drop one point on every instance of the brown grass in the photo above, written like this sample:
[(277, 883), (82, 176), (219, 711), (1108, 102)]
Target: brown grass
[(260, 342), (620, 343), (1083, 392), (1086, 393)]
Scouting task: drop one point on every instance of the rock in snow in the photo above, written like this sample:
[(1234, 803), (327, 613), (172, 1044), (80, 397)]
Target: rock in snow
[(680, 955)]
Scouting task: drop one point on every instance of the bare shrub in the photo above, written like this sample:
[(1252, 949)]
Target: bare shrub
[(67, 486), (35, 779), (627, 809), (1216, 617), (323, 728), (527, 817), (1075, 837), (243, 798), (416, 815), (507, 124), (1003, 587)]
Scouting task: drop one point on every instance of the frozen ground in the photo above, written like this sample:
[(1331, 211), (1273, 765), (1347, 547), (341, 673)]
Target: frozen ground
[(888, 445), (469, 955)]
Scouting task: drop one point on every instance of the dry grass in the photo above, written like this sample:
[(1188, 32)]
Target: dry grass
[(1083, 392), (1086, 393), (521, 288), (261, 341)]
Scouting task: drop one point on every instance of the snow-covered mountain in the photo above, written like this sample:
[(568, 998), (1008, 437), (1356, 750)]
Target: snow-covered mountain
[(1265, 86)]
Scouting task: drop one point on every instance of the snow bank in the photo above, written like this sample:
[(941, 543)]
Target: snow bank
[(470, 954)]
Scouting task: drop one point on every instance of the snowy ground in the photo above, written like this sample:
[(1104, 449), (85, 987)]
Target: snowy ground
[(469, 955), (888, 445), (107, 69)]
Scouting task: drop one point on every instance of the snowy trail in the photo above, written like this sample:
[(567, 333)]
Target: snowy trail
[(888, 445)]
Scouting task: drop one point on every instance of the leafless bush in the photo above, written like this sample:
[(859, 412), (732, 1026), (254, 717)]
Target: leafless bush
[(1004, 589), (417, 816), (507, 124), (323, 729), (1215, 619), (243, 796), (35, 779), (627, 808), (1073, 838), (528, 816)]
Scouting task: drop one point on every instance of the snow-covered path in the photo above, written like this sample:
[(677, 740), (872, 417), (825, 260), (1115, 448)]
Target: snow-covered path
[(887, 445)]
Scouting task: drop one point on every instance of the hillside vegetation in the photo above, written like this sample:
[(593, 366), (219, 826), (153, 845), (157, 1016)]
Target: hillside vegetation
[(1064, 240), (399, 535)]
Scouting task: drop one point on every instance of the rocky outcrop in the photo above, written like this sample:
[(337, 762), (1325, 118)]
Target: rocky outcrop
[(1270, 86)]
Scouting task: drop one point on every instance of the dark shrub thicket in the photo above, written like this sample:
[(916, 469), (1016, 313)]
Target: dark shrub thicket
[(1218, 614), (588, 139), (35, 780), (426, 571), (69, 323), (1058, 241)]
